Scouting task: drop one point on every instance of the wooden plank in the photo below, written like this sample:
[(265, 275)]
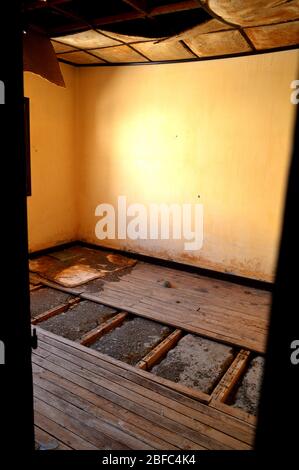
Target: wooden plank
[(174, 7), (220, 303), (57, 406), (201, 396), (100, 330), (191, 421), (176, 321), (160, 350), (189, 296), (123, 410), (189, 428), (72, 425), (49, 313), (102, 409), (231, 377), (235, 412), (142, 365), (55, 311), (199, 314), (205, 314), (196, 282), (139, 5), (73, 302), (43, 415), (33, 287), (249, 306), (208, 415), (182, 389), (42, 438), (41, 352), (151, 271), (53, 344)]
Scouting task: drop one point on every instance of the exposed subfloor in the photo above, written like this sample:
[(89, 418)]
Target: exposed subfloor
[(221, 310), (131, 341), (45, 298), (198, 307), (78, 320), (248, 392), (196, 362), (85, 400)]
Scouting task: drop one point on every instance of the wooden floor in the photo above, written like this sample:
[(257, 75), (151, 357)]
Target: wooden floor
[(217, 309), (86, 400)]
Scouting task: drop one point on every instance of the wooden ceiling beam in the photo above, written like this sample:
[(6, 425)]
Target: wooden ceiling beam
[(96, 23), (37, 4), (184, 5), (134, 15), (138, 5), (71, 28), (78, 24)]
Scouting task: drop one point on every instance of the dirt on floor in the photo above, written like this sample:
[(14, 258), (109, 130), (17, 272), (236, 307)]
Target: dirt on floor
[(248, 392), (196, 362), (77, 265), (131, 341), (78, 320), (96, 285), (45, 298)]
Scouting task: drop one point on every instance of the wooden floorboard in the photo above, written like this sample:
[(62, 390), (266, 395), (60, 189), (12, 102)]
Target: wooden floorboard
[(50, 420), (230, 426), (213, 308), (87, 400), (46, 441)]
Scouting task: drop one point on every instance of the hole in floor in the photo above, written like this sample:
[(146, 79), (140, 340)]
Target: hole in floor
[(131, 341), (78, 320), (246, 394), (45, 298)]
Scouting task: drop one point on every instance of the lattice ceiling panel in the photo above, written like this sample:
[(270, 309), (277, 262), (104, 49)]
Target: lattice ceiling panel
[(119, 54), (88, 40), (284, 34), (164, 50), (88, 32), (80, 57)]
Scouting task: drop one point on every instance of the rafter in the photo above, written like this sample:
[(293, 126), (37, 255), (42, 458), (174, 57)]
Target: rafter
[(128, 16), (38, 4), (138, 5), (175, 7), (96, 23)]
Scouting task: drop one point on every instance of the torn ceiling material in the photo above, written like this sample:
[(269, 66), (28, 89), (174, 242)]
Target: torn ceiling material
[(39, 57), (85, 32)]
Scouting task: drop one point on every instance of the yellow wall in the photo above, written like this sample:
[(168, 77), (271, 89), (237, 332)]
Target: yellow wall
[(52, 215), (168, 133)]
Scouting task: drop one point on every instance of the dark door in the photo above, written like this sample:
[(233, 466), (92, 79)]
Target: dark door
[(15, 335)]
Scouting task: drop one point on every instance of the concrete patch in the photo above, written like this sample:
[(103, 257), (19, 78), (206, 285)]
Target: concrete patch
[(131, 341), (195, 362), (74, 323), (248, 392), (44, 299)]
